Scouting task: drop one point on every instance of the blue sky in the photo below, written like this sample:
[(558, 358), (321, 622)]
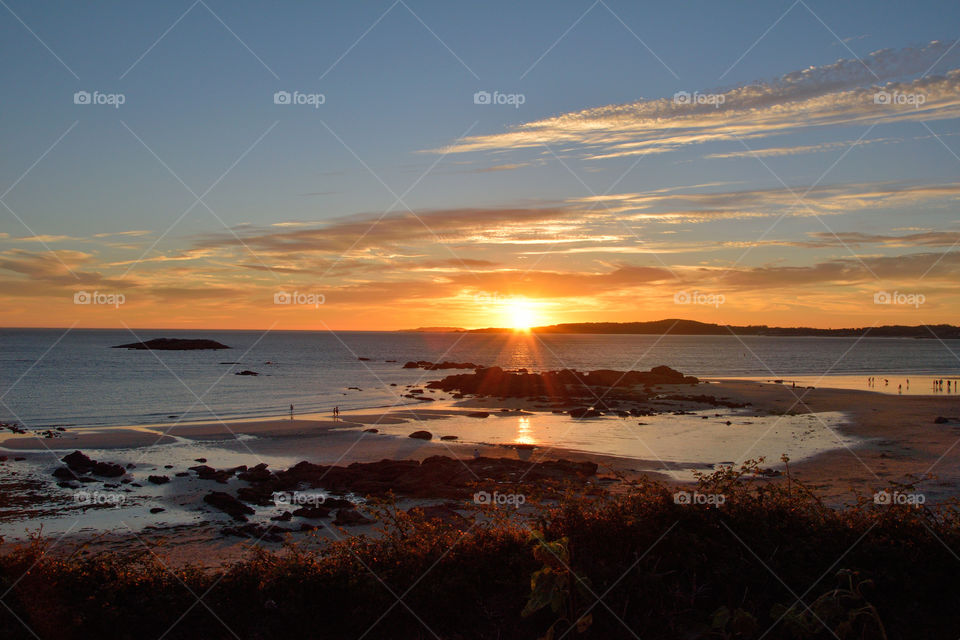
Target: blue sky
[(399, 79)]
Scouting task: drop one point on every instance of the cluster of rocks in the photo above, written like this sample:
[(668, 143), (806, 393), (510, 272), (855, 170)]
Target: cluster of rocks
[(80, 467), (564, 384), (435, 366)]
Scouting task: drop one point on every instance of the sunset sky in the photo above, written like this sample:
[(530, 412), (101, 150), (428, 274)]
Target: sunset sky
[(813, 167)]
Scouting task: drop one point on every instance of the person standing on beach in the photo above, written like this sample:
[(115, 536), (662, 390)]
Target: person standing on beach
[(291, 412)]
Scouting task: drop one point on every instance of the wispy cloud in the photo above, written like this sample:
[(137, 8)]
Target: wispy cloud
[(841, 93)]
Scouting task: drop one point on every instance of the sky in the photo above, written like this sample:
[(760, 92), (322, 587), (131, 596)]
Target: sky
[(397, 164)]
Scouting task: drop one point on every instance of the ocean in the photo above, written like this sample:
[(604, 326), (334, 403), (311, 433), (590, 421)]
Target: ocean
[(51, 377)]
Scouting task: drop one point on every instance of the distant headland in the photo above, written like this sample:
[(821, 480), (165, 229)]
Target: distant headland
[(681, 327)]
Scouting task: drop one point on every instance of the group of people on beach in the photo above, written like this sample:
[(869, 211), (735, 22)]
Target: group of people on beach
[(938, 385), (336, 412)]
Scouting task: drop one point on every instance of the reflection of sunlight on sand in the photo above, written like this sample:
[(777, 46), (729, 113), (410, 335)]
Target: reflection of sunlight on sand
[(524, 432)]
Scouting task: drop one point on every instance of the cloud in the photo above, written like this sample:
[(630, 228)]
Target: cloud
[(834, 94)]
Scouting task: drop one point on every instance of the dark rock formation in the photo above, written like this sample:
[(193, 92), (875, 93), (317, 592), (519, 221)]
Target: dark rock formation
[(174, 344), (421, 435), (229, 505), (566, 383), (158, 479)]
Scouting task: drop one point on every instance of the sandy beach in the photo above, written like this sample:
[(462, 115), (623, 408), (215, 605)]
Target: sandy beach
[(881, 439)]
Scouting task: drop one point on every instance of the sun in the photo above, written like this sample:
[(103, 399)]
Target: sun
[(522, 314)]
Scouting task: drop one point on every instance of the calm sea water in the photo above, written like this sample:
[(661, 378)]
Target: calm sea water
[(49, 377)]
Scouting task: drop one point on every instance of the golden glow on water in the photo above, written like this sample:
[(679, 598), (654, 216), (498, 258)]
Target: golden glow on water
[(524, 432)]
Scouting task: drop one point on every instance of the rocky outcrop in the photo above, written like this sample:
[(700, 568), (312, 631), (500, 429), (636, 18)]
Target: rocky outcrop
[(421, 435), (566, 383), (174, 344), (436, 366), (79, 463)]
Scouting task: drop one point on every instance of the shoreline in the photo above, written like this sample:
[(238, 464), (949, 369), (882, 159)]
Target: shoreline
[(880, 439)]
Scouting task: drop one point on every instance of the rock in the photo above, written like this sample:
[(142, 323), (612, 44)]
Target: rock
[(168, 466), (364, 359), (18, 459), (371, 431), (421, 435), (941, 420), (158, 479), (174, 344), (131, 466), (182, 474), (312, 513), (246, 372), (283, 517), (77, 461), (200, 460), (157, 510), (229, 505), (448, 437), (108, 470), (350, 518), (209, 473), (64, 473), (585, 412), (479, 414)]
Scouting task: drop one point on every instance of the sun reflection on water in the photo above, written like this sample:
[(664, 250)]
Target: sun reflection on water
[(524, 432)]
